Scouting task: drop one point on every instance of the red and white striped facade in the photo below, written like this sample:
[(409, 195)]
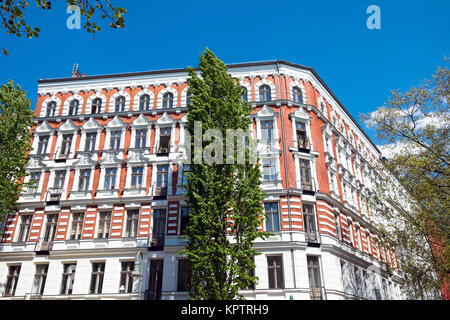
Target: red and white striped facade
[(339, 154)]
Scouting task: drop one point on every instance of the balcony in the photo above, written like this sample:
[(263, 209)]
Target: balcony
[(159, 193), (304, 145), (308, 187), (53, 195), (156, 241), (43, 247), (316, 293)]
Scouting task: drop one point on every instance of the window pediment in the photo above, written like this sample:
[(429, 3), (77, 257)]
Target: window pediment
[(84, 161), (141, 121), (301, 114), (115, 123), (44, 127), (91, 124), (266, 112), (68, 126), (164, 119)]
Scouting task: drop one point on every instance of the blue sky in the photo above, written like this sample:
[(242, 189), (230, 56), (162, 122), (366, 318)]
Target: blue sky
[(359, 65)]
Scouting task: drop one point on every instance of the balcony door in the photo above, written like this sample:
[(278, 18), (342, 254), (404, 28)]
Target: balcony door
[(155, 280)]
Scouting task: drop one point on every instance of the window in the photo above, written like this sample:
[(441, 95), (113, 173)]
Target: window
[(275, 271), (42, 144), (98, 271), (168, 100), (136, 177), (24, 227), (144, 102), (245, 94), (66, 144), (338, 228), (132, 223), (39, 279), (34, 178), (272, 216), (159, 226), (120, 104), (358, 282), (155, 279), (184, 218), (305, 174), (297, 95), (309, 222), (51, 108), (85, 175), (114, 142), (186, 171), (110, 178), (322, 107), (188, 99), (68, 278), (267, 130), (141, 135), (96, 106), (11, 280), (264, 93), (314, 277), (104, 224), (50, 228), (269, 170), (162, 175), (126, 280), (73, 107), (90, 141), (302, 139), (184, 275), (164, 139), (60, 176), (77, 225)]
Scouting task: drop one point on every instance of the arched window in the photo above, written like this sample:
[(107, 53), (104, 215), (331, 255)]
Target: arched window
[(96, 106), (188, 98), (51, 108), (245, 95), (297, 95), (144, 102), (120, 104), (264, 93), (73, 107), (168, 100)]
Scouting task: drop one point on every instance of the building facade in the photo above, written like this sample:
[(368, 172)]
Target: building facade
[(109, 191)]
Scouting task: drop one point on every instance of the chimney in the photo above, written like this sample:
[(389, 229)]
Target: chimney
[(76, 72)]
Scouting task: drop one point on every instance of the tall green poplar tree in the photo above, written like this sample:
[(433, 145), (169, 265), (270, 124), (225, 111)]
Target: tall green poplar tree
[(15, 123), (225, 198)]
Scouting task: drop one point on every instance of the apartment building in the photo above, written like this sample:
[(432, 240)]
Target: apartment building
[(107, 163)]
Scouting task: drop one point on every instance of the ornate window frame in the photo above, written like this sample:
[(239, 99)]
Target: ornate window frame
[(301, 116), (91, 98), (115, 124), (271, 86), (161, 94), (90, 126), (299, 85), (140, 122), (138, 96), (67, 128), (45, 103), (165, 121), (112, 101), (67, 102)]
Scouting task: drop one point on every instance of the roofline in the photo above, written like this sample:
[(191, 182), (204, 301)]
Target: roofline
[(230, 66)]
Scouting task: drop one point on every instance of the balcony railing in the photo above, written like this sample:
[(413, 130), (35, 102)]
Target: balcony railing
[(43, 246), (160, 191), (54, 194), (303, 144), (312, 236), (317, 293), (156, 240)]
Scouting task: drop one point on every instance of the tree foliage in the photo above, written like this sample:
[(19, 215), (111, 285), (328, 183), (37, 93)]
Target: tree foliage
[(412, 197), (226, 199), (15, 136), (13, 18)]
